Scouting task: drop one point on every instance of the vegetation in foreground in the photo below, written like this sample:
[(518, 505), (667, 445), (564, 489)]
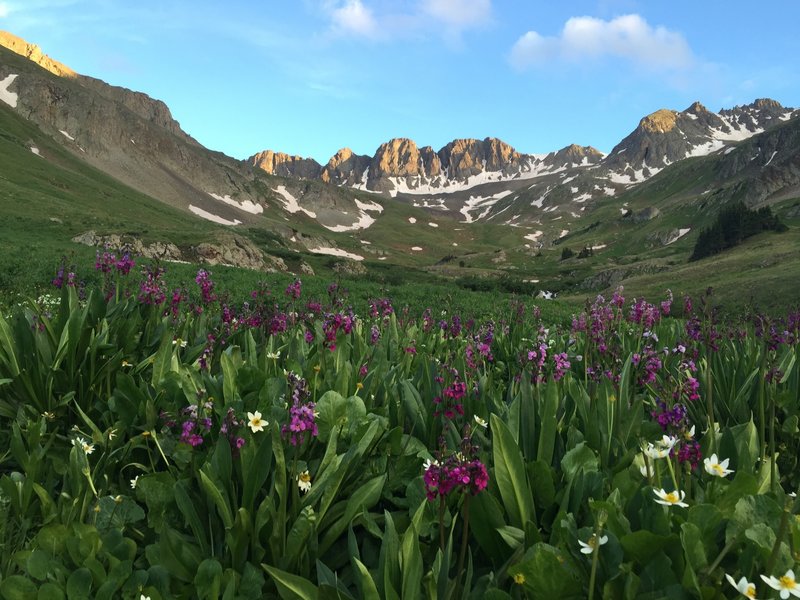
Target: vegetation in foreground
[(171, 442)]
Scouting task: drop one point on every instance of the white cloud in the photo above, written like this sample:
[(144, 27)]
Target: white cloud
[(3, 10), (458, 14), (628, 37), (352, 16), (387, 19)]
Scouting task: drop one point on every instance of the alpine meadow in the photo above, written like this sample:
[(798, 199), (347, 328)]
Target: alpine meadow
[(449, 371)]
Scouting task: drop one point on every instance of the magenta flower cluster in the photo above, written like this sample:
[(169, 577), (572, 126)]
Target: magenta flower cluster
[(108, 262), (302, 419), (152, 289), (203, 280), (455, 475)]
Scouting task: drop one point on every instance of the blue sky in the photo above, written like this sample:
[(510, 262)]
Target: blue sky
[(308, 77)]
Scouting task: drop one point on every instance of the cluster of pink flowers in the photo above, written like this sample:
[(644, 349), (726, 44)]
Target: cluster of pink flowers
[(203, 280), (108, 262), (294, 290), (454, 475), (302, 418), (70, 278), (380, 307), (650, 363), (230, 429), (152, 289), (332, 324), (449, 404)]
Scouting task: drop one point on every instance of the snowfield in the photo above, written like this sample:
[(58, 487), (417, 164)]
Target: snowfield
[(212, 217), (9, 98)]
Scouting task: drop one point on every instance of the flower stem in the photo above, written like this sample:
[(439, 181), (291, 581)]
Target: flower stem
[(784, 525), (595, 560), (464, 540), (441, 523)]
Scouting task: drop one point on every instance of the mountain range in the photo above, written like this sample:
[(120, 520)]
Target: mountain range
[(482, 201)]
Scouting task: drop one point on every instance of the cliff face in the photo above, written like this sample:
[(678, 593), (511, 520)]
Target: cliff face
[(34, 53), (345, 168), (285, 165)]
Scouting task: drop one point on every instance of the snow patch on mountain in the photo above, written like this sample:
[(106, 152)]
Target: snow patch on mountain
[(679, 235), (290, 203), (706, 149), (770, 158), (533, 236), (246, 205), (212, 217), (483, 203), (7, 96), (335, 252), (434, 203), (364, 220)]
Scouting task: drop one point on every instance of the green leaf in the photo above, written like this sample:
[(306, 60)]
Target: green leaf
[(17, 587), (230, 360), (692, 541), (751, 511), (39, 564), (581, 458), (364, 498), (79, 584), (411, 564), (509, 470), (544, 573), (213, 490), (162, 360), (366, 585), (291, 587), (189, 511), (208, 579), (642, 545), (256, 457), (50, 591), (298, 537), (549, 423), (332, 412), (389, 558)]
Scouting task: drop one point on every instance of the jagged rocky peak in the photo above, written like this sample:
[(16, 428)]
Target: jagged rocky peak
[(661, 121), (574, 155), (34, 53), (767, 103), (286, 165), (399, 157), (466, 157), (696, 109), (345, 168)]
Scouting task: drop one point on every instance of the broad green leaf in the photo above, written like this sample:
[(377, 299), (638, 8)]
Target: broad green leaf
[(79, 584), (290, 586), (411, 564), (213, 491), (509, 470), (692, 541), (208, 579), (543, 573), (581, 458), (548, 417), (17, 587), (367, 588)]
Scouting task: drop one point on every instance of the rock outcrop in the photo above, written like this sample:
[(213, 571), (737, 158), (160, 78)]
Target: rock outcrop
[(345, 168), (34, 53), (285, 165)]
